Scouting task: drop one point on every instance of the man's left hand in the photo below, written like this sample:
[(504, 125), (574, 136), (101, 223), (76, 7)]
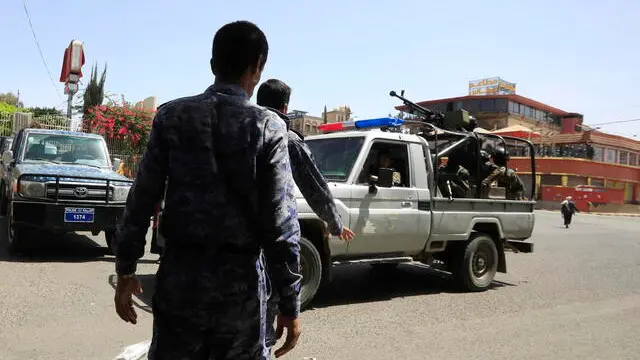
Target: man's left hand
[(126, 287), (347, 234)]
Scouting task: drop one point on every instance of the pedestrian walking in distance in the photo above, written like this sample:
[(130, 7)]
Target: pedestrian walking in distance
[(275, 95), (229, 197), (568, 209)]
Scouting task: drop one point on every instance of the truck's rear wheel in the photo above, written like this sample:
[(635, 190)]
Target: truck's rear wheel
[(476, 265), (311, 266)]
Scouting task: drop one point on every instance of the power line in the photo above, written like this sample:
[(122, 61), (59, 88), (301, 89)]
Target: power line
[(615, 122), (40, 50)]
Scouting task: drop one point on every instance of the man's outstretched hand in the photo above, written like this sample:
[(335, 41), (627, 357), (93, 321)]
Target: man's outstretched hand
[(346, 234), (293, 327), (126, 287)]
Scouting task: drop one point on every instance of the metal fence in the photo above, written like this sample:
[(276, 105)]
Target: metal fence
[(10, 124)]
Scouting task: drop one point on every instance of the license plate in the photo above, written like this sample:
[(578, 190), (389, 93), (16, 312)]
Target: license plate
[(79, 215)]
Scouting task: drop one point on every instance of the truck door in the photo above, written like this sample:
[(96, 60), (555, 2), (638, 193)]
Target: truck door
[(386, 222)]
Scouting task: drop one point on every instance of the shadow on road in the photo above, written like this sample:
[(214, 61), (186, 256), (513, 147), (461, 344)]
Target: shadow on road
[(354, 284), (363, 283), (46, 247), (57, 248)]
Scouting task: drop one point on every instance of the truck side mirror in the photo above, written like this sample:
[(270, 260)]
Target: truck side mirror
[(7, 157), (385, 177), (373, 180)]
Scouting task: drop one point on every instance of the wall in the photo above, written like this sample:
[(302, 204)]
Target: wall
[(582, 196), (581, 167)]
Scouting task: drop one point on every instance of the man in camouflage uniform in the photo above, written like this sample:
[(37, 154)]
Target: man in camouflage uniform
[(456, 174), (275, 95), (514, 187), (229, 195)]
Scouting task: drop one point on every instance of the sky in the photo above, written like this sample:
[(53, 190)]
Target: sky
[(580, 56)]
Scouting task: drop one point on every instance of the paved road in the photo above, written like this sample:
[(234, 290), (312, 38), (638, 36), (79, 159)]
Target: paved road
[(576, 297)]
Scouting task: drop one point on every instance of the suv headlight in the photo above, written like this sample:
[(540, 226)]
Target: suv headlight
[(32, 189), (120, 193)]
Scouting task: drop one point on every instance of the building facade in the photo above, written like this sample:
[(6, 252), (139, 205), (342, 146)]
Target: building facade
[(568, 154), (307, 124)]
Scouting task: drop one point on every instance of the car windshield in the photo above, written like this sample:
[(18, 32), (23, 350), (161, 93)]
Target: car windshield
[(65, 149), (335, 157)]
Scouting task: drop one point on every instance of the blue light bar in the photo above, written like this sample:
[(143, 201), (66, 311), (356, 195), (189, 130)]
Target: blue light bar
[(360, 124), (371, 123)]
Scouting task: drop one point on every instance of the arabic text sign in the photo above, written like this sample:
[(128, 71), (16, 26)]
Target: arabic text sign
[(491, 86)]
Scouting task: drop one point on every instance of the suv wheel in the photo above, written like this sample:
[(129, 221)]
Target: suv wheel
[(16, 237), (3, 200)]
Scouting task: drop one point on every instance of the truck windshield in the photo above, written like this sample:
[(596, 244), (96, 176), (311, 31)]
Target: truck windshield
[(335, 157), (65, 149)]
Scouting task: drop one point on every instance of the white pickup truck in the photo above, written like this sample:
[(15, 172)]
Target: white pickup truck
[(404, 218), (399, 215)]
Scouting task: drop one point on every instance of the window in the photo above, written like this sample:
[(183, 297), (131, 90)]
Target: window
[(514, 107), (633, 159), (487, 105), (474, 106), (501, 105), (624, 157), (598, 153), (457, 105), (387, 155), (610, 156), (335, 157), (524, 110), (65, 149)]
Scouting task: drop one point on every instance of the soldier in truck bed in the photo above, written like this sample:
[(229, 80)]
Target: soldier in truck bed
[(456, 174), (512, 183)]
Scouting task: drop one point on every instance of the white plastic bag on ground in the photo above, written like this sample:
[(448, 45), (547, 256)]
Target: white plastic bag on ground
[(137, 351)]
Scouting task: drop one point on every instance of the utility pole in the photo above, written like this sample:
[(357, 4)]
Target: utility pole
[(18, 98)]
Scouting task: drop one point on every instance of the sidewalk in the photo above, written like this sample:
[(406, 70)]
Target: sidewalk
[(598, 213)]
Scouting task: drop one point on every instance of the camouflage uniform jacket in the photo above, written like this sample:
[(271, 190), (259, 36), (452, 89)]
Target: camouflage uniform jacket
[(229, 194), (310, 181), (511, 181)]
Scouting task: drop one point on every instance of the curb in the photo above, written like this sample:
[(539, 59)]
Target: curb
[(614, 214), (598, 213)]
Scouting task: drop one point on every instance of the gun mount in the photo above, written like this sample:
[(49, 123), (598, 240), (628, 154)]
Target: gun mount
[(452, 120)]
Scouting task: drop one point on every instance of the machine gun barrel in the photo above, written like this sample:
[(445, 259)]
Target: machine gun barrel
[(424, 111)]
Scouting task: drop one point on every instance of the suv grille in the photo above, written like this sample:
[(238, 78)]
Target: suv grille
[(79, 192)]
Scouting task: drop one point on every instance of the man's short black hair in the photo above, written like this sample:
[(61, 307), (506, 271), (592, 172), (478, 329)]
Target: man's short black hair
[(236, 47), (274, 94)]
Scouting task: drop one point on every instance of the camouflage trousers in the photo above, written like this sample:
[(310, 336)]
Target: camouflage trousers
[(209, 307)]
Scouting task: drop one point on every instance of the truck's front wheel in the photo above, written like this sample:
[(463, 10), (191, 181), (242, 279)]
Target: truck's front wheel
[(476, 264), (311, 266), (16, 237)]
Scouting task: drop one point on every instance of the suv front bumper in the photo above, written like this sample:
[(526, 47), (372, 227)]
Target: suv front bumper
[(51, 216)]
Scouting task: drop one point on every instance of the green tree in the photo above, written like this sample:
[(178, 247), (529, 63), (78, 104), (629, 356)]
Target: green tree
[(44, 111), (11, 99), (93, 95), (6, 109)]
